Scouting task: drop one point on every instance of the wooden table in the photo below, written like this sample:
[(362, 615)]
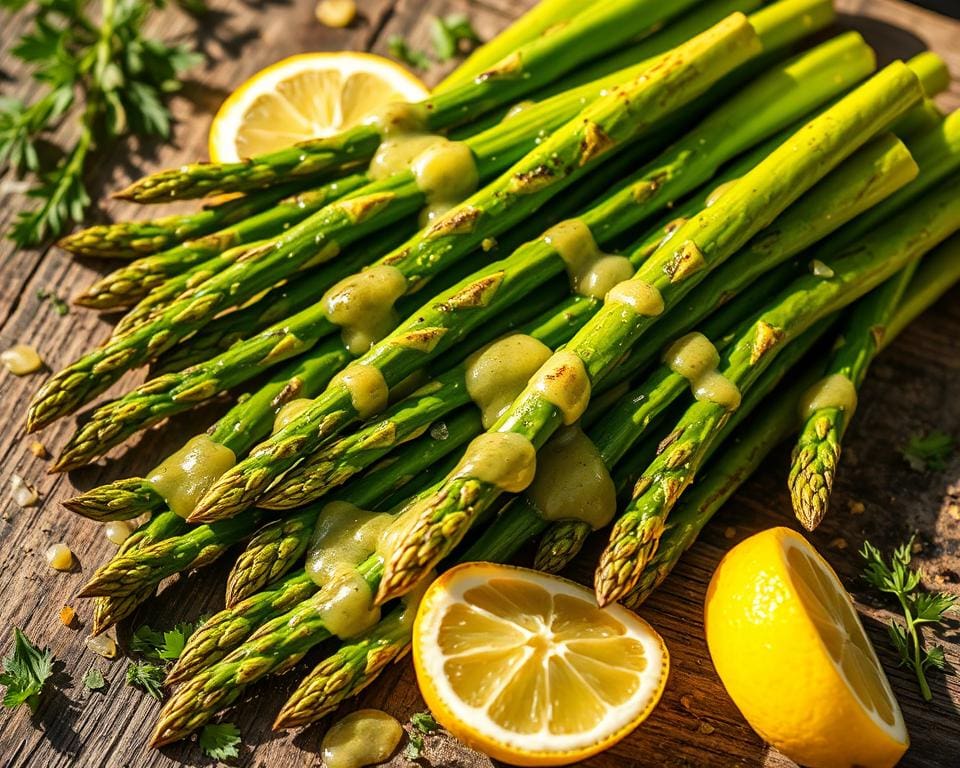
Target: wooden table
[(913, 387)]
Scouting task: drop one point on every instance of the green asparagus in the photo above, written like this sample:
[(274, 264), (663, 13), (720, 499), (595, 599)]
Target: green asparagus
[(855, 271), (532, 263), (938, 271), (703, 242), (600, 28), (567, 155), (133, 239)]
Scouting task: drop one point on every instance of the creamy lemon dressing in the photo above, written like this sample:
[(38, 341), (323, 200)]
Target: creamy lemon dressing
[(496, 374), (368, 389), (564, 383), (505, 460), (592, 272), (641, 297), (364, 737), (185, 476), (362, 305), (572, 482), (696, 359), (833, 391)]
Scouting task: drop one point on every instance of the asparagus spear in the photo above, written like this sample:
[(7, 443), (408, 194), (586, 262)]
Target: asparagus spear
[(856, 270), (533, 263), (357, 663), (567, 155), (535, 22), (243, 425), (703, 242), (130, 283), (817, 451), (247, 610), (133, 239), (284, 300), (107, 611), (600, 28), (938, 271)]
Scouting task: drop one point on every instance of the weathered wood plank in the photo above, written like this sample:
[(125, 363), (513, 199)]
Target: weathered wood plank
[(912, 387)]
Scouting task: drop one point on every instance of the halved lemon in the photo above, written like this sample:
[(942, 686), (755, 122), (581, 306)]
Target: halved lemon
[(790, 649), (305, 97), (526, 668)]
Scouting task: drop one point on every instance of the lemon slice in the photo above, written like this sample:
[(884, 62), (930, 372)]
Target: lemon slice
[(526, 668), (305, 97), (790, 649)]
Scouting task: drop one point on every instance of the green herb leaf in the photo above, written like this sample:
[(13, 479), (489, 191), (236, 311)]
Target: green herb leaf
[(449, 32), (424, 722), (929, 452), (24, 672), (162, 646), (414, 748), (106, 96), (220, 740), (917, 605), (400, 50), (93, 680), (148, 677)]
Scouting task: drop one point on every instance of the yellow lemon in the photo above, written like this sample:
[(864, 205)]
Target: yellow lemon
[(526, 668), (305, 97), (789, 647)]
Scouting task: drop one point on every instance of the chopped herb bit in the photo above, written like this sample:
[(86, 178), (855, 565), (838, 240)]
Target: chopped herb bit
[(149, 677), (59, 305), (400, 50), (93, 680), (414, 748), (220, 740), (918, 607), (424, 722), (449, 32), (24, 672), (929, 452), (162, 646)]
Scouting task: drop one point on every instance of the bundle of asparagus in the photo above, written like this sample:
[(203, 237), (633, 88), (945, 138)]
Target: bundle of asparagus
[(620, 275)]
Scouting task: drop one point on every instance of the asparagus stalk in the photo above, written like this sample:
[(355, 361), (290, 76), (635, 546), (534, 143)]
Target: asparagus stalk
[(600, 28), (559, 161), (280, 302), (704, 242), (130, 283), (856, 270), (133, 239), (533, 263), (107, 611), (535, 22), (938, 272), (230, 628), (817, 450), (357, 663), (248, 609), (850, 123), (243, 425)]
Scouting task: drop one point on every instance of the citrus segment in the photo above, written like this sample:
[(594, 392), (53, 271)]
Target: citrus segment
[(525, 666), (313, 95), (790, 649)]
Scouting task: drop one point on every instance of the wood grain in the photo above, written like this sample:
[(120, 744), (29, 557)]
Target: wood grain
[(913, 387)]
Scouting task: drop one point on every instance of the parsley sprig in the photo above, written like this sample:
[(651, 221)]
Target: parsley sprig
[(929, 452), (24, 672), (918, 606), (220, 740), (95, 65), (449, 36)]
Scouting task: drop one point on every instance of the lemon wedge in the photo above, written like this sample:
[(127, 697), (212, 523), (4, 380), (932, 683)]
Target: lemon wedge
[(790, 649), (525, 667), (313, 95)]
